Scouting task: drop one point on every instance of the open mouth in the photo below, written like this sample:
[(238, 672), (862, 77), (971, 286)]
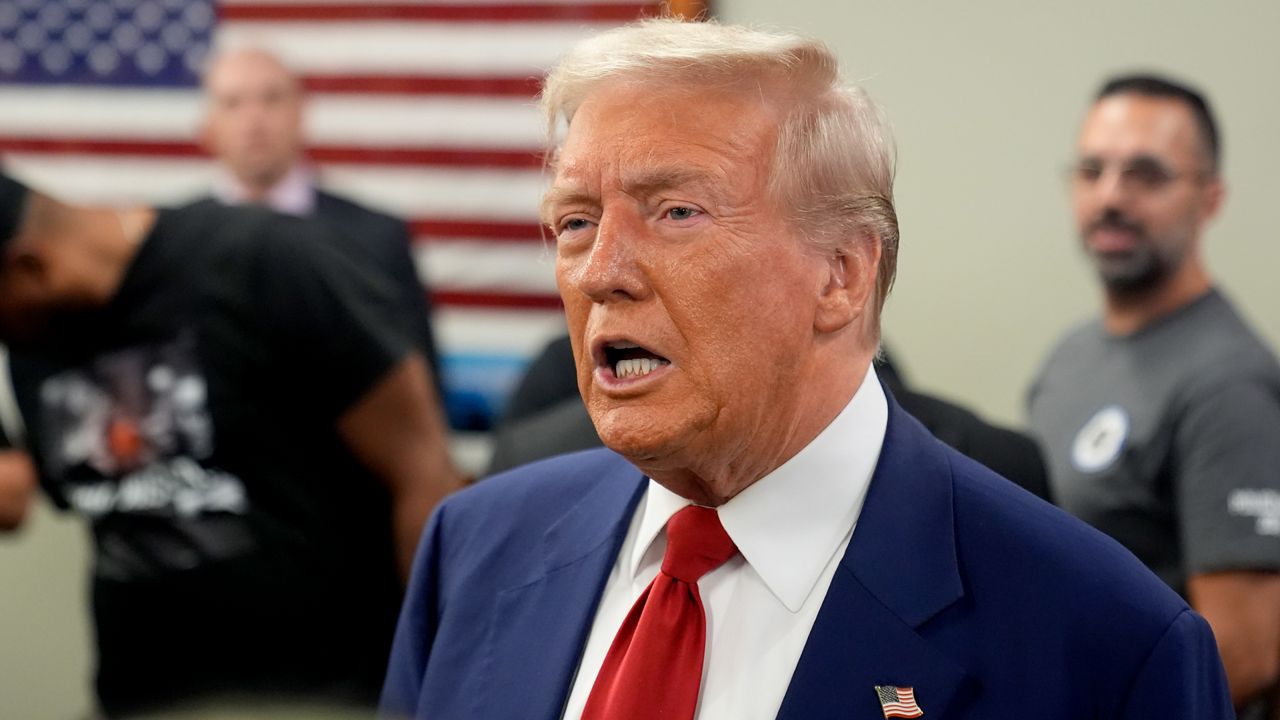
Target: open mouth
[(628, 360)]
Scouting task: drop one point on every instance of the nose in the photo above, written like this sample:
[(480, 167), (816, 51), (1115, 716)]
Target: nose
[(1112, 189), (611, 270), (1107, 192), (1110, 186)]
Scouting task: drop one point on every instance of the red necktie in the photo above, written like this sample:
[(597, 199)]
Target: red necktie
[(654, 667)]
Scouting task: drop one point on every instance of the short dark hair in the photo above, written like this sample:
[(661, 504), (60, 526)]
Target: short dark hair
[(1162, 87)]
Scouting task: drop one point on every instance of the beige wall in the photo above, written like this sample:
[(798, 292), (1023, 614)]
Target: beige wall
[(985, 97), (44, 623)]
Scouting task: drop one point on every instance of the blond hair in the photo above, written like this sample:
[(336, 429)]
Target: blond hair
[(833, 162)]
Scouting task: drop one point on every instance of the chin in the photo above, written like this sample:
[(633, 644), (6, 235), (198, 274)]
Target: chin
[(635, 444), (635, 434)]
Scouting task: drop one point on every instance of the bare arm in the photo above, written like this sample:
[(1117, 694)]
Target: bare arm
[(1243, 608), (397, 431), (17, 485)]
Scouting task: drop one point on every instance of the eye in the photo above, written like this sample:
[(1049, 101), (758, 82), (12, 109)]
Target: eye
[(682, 212), (1148, 175), (574, 224), (1087, 172)]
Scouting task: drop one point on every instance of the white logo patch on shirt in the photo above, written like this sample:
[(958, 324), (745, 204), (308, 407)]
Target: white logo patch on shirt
[(1100, 441), (1261, 504)]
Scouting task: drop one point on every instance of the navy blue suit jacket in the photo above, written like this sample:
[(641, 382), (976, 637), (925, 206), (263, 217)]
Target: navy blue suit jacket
[(987, 601)]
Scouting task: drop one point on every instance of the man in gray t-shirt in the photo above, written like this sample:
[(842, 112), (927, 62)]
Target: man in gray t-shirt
[(1161, 419), (1168, 439)]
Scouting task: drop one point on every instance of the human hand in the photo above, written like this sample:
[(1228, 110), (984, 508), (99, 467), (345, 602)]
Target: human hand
[(17, 486)]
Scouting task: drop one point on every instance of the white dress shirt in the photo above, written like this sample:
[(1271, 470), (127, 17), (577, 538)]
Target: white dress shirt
[(791, 528)]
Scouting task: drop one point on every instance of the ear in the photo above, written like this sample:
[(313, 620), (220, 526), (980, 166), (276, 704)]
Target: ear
[(1215, 191), (26, 274), (204, 136), (849, 293), (25, 297)]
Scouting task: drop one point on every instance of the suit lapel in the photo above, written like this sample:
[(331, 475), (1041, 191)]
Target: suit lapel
[(856, 644), (539, 629), (899, 570)]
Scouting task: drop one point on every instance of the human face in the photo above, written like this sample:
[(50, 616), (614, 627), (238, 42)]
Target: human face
[(254, 122), (690, 297), (1142, 190)]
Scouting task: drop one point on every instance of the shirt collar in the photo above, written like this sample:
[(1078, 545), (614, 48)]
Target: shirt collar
[(294, 194), (790, 523)]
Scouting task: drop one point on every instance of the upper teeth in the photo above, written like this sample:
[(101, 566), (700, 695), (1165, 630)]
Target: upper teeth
[(636, 367)]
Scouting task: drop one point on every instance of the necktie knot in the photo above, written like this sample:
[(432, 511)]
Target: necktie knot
[(696, 544)]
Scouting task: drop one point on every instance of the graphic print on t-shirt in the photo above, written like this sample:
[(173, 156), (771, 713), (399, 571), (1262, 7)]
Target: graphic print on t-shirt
[(1100, 441), (130, 433)]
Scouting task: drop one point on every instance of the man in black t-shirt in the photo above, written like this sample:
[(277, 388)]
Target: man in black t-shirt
[(222, 396)]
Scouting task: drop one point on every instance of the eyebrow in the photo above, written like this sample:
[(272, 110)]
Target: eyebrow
[(658, 179), (1142, 157), (561, 195), (641, 184)]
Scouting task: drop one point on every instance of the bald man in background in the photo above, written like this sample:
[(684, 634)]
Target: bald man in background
[(253, 127)]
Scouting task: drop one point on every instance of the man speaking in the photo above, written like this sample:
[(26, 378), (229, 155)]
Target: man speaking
[(768, 534)]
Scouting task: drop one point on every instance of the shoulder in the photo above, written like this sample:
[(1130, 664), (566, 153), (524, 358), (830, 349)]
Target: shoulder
[(208, 217), (235, 226), (1226, 346), (1082, 337), (1013, 553), (354, 216), (1205, 350), (1026, 550), (1071, 612), (265, 256), (513, 510), (544, 482), (1075, 348)]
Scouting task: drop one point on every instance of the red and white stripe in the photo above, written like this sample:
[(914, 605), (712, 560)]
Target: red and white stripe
[(423, 109), (906, 706)]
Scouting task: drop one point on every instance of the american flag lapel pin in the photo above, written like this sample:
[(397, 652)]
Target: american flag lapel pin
[(898, 702)]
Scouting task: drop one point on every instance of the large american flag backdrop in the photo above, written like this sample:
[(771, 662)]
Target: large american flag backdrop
[(422, 109)]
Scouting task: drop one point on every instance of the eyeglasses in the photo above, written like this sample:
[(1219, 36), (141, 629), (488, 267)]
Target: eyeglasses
[(1144, 174)]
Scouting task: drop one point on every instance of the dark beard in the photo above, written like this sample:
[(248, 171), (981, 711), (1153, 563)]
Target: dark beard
[(1135, 275), (1131, 273)]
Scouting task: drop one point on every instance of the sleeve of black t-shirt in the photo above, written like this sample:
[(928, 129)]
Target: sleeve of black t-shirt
[(414, 294), (333, 321), (383, 243)]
